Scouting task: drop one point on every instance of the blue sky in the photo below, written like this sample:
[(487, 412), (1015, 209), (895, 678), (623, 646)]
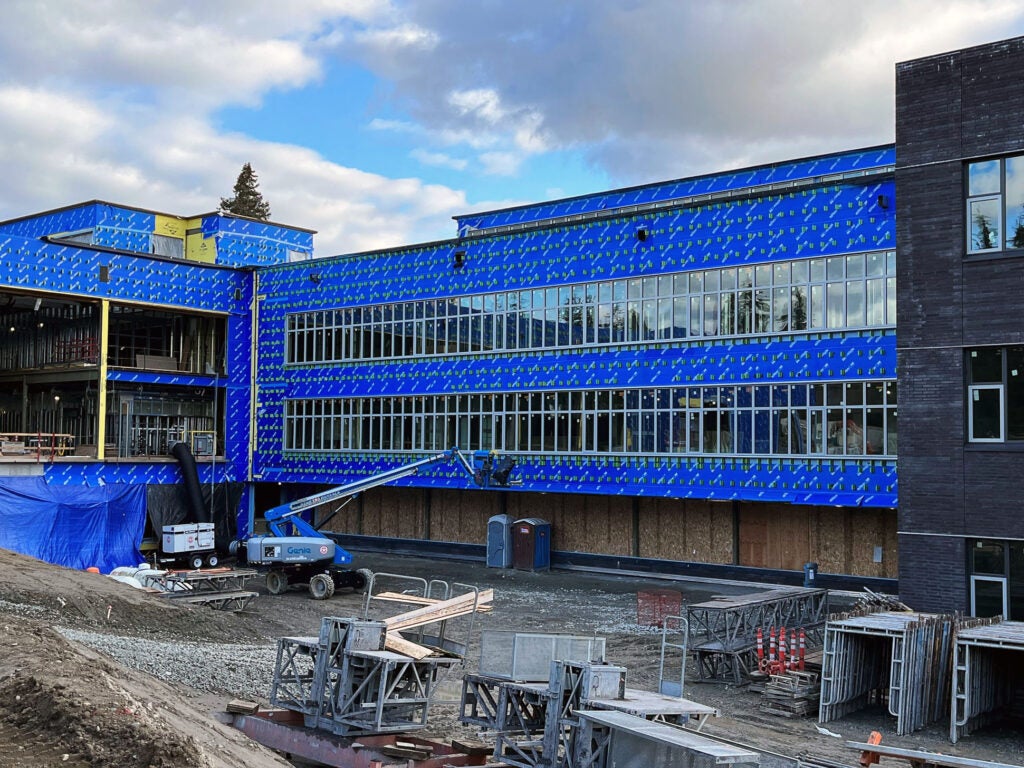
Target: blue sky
[(375, 121)]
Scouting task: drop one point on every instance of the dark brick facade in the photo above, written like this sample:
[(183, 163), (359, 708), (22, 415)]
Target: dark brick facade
[(951, 108)]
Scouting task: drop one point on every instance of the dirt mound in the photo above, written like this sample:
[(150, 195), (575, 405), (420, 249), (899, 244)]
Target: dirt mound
[(98, 733)]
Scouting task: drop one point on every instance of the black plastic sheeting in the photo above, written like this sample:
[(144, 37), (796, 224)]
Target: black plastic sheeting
[(169, 505)]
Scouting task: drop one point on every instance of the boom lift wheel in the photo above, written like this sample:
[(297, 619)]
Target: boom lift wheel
[(321, 586), (366, 574), (277, 582)]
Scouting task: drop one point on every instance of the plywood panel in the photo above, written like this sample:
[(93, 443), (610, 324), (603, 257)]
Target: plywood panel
[(721, 532), (829, 540), (698, 531), (662, 531), (753, 537)]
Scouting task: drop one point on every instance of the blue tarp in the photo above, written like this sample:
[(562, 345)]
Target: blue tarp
[(72, 525)]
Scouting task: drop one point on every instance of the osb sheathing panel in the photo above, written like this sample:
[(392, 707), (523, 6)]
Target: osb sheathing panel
[(774, 536), (462, 516), (393, 512), (840, 540), (829, 540), (580, 523), (691, 531)]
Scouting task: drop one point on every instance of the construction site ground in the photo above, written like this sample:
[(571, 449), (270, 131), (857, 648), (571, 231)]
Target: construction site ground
[(95, 673)]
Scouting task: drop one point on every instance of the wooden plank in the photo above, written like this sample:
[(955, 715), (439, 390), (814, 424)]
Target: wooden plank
[(399, 597), (398, 644), (443, 610)]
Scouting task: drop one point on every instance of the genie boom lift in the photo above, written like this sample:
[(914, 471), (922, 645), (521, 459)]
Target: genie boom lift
[(293, 551)]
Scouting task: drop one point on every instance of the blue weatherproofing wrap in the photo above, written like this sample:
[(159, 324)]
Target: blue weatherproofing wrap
[(73, 526)]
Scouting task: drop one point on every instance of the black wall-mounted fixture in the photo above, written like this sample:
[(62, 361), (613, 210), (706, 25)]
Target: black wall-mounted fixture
[(314, 277), (641, 233), (459, 258), (883, 201)]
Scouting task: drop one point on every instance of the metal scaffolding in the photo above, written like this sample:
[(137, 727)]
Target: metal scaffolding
[(345, 682), (535, 723), (987, 675), (723, 631), (901, 659)]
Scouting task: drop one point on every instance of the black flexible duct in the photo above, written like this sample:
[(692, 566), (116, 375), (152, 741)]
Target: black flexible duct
[(199, 512)]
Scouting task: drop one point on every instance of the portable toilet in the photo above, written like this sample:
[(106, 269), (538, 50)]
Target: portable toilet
[(531, 544), (499, 541)]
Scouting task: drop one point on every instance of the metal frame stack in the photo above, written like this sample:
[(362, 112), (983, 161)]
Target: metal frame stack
[(986, 677), (723, 631), (535, 722), (345, 682), (899, 658)]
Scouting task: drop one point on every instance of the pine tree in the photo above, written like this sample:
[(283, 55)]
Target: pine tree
[(247, 200)]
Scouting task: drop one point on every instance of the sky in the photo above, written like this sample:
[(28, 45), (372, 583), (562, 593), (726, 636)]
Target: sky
[(376, 121)]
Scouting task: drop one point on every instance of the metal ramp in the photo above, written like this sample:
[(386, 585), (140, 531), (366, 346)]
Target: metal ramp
[(723, 631), (222, 589), (618, 740)]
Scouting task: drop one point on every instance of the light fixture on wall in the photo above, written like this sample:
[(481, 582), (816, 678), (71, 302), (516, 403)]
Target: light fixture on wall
[(459, 258), (314, 277), (37, 305), (641, 233), (883, 201)]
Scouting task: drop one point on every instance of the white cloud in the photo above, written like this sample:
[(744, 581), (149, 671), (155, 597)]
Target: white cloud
[(115, 99), (658, 88), (438, 159), (118, 99), (500, 163)]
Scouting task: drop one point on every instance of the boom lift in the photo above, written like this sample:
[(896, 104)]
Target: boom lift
[(295, 552)]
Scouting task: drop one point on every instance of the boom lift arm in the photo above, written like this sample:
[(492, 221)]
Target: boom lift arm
[(294, 550)]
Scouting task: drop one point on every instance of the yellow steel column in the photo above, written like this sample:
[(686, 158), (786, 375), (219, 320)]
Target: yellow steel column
[(101, 410)]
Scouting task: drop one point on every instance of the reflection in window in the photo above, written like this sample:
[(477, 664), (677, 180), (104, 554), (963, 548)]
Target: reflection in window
[(856, 419), (835, 293), (995, 205)]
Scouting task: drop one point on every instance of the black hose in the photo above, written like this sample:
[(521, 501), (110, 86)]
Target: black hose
[(199, 512)]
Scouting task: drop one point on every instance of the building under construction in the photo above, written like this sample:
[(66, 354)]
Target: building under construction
[(698, 375)]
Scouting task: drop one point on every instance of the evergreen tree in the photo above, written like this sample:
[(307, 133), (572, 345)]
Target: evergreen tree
[(247, 200)]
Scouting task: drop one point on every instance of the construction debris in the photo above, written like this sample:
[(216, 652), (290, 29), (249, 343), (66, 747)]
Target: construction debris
[(792, 694)]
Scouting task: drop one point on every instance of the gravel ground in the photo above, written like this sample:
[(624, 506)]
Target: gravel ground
[(239, 671)]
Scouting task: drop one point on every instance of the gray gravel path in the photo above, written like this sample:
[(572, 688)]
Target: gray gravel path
[(241, 671)]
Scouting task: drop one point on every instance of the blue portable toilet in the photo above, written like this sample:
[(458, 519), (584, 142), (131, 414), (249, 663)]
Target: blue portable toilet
[(499, 541), (531, 544)]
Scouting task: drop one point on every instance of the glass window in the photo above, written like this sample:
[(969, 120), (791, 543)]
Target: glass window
[(986, 223), (985, 413), (988, 557), (983, 178), (1015, 202)]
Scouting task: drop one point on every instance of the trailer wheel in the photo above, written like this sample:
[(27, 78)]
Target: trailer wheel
[(196, 561), (277, 582), (212, 560), (321, 586)]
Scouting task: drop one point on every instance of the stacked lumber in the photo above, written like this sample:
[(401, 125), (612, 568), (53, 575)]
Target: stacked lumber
[(441, 610), (792, 694)]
